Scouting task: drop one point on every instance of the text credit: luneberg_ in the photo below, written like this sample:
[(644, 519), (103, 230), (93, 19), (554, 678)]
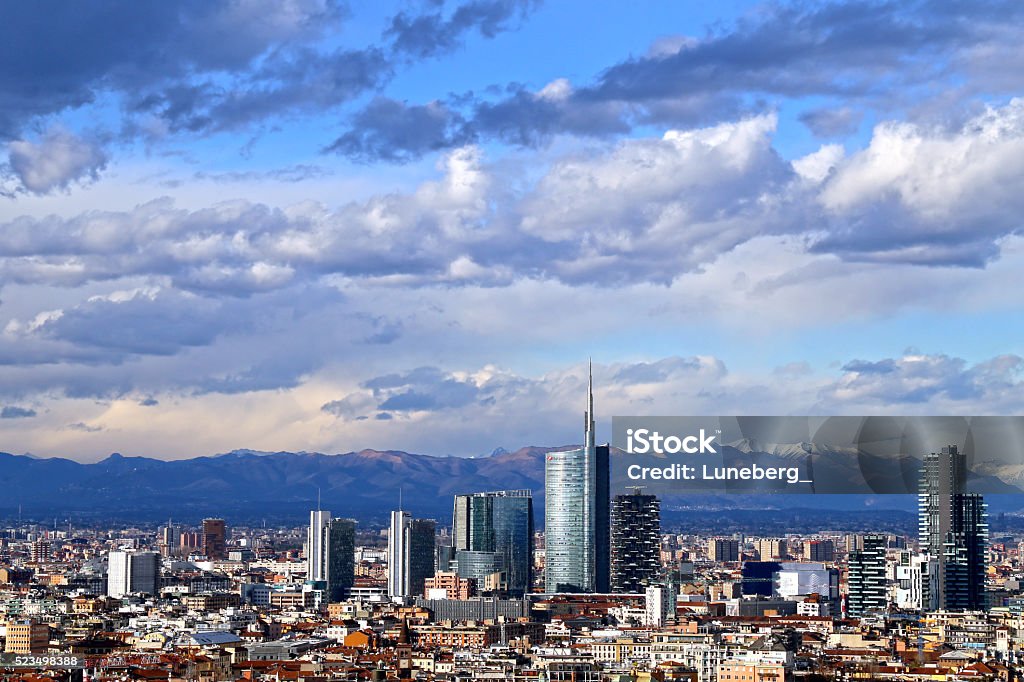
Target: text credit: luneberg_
[(646, 441)]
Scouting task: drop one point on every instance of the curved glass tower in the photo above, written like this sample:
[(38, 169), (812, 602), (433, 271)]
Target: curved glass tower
[(576, 507)]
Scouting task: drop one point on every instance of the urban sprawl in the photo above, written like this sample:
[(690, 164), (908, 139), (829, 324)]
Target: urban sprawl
[(600, 593)]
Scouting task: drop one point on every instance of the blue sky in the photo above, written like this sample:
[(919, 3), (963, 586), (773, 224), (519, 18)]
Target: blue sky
[(328, 226)]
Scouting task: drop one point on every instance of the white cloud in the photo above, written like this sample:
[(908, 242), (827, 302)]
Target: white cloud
[(930, 195), (467, 409), (816, 166), (57, 160)]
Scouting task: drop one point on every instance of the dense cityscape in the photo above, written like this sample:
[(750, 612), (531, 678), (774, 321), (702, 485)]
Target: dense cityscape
[(296, 298), (602, 592)]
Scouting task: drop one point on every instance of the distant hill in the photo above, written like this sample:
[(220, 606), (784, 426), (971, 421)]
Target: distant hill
[(362, 484), (246, 485)]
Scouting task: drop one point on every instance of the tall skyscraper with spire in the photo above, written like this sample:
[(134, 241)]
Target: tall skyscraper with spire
[(576, 513)]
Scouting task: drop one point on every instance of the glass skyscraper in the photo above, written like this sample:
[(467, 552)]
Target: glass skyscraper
[(953, 528), (501, 523), (576, 514), (963, 556), (341, 550), (513, 536)]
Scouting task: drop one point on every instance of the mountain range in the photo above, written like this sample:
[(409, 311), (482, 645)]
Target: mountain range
[(366, 485)]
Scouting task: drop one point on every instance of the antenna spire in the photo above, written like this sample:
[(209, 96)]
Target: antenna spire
[(589, 423)]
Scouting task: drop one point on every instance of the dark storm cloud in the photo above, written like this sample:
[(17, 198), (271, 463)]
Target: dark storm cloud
[(420, 375), (59, 57), (197, 67), (273, 372), (528, 119)]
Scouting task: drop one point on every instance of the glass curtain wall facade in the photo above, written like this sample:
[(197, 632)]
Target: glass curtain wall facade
[(576, 515)]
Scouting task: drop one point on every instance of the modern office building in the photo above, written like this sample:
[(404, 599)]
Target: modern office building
[(215, 542), (486, 569), (191, 542), (867, 586), (500, 522), (330, 553), (577, 534), (398, 553), (512, 516), (854, 542), (422, 535), (445, 559), (635, 542), (964, 555), (411, 554), (953, 527), (341, 552), (472, 523), (131, 572), (316, 545)]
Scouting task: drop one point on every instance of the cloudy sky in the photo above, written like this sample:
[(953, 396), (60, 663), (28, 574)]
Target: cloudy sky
[(311, 225)]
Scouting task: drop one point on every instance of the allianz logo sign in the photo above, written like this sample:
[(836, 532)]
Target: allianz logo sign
[(646, 441)]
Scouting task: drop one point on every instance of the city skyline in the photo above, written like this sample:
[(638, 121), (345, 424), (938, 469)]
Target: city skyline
[(403, 227), (301, 302)]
